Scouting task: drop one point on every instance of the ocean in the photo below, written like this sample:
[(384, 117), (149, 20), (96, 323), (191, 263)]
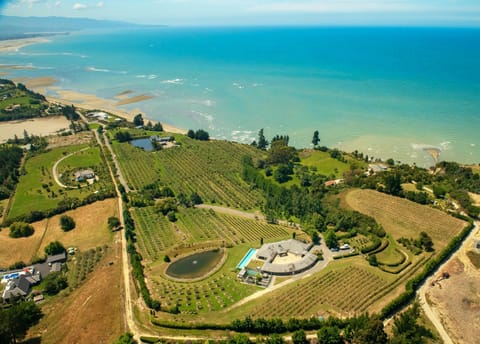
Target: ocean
[(387, 92)]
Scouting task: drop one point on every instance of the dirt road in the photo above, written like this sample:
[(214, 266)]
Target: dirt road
[(55, 167)]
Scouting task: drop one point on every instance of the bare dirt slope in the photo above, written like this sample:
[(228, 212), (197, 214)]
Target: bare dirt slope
[(457, 299)]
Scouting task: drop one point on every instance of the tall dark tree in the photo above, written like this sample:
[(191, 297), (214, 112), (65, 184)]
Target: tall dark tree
[(299, 337), (55, 247), (138, 120), (191, 134), (262, 141), (330, 335), (315, 139), (67, 223), (407, 330), (393, 184)]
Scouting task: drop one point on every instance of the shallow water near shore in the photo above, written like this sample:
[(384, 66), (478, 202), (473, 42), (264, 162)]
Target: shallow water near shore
[(387, 92)]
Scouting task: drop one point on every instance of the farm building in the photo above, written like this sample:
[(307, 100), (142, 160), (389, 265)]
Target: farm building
[(159, 139), (296, 257), (58, 258), (376, 168), (83, 175)]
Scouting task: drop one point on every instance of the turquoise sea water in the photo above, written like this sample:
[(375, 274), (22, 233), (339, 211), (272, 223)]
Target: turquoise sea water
[(388, 92)]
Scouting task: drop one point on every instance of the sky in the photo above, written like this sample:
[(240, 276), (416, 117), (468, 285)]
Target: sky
[(460, 13)]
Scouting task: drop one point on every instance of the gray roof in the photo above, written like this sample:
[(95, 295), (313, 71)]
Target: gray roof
[(56, 267), (57, 258), (283, 269), (270, 251)]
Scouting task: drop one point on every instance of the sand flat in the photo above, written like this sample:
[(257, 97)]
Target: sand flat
[(44, 126), (17, 44), (35, 83), (135, 99)]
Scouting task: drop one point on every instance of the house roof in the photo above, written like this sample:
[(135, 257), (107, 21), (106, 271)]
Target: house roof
[(57, 258), (56, 267)]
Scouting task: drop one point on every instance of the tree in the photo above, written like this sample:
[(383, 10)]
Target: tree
[(138, 120), (275, 339), (123, 136), (390, 162), (54, 283), (240, 339), (299, 337), (426, 242), (315, 139), (393, 184), (329, 335), (372, 331), (331, 239), (195, 198), (171, 216), (166, 259), (202, 135), (372, 260), (17, 319), (126, 338), (55, 247), (406, 329), (67, 223), (262, 142), (113, 222), (20, 230), (157, 127), (281, 174), (191, 134)]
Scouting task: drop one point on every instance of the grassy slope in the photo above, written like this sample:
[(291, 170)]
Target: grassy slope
[(403, 218), (323, 163), (30, 195)]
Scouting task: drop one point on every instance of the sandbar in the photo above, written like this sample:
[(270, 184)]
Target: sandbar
[(135, 99), (17, 44), (44, 126), (35, 83)]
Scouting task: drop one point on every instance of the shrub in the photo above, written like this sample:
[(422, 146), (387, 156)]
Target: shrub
[(21, 230), (54, 283), (55, 247), (67, 223)]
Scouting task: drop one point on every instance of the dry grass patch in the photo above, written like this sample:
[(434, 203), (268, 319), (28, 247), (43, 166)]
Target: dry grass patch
[(403, 218), (21, 249), (90, 230), (92, 313)]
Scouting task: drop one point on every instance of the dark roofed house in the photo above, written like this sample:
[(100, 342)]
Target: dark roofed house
[(18, 287), (58, 258)]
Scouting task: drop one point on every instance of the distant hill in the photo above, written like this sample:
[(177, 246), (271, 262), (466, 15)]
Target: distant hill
[(24, 27)]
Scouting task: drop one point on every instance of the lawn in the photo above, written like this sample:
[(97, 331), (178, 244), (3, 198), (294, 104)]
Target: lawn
[(324, 164), (37, 189)]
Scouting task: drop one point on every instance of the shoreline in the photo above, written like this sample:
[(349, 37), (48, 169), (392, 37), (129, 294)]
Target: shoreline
[(90, 101)]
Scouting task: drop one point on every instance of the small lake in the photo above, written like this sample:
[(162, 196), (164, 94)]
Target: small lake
[(145, 144), (195, 265)]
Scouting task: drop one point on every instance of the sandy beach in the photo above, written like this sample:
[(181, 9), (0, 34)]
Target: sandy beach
[(38, 126), (17, 44)]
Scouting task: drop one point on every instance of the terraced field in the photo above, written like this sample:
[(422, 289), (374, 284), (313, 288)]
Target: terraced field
[(346, 290)]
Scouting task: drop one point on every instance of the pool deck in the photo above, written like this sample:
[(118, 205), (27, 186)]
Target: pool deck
[(246, 258)]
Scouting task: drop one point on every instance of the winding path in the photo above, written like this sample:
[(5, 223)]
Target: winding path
[(55, 167)]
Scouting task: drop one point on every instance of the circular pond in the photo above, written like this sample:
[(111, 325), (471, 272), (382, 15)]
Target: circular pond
[(195, 265)]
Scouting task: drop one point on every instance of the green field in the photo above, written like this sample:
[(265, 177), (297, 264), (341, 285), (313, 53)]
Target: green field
[(37, 189), (30, 104), (323, 163), (212, 169)]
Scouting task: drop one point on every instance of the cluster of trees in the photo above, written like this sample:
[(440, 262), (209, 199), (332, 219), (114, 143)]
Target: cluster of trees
[(123, 136), (70, 112), (200, 134), (136, 262), (16, 320), (53, 248), (54, 283), (154, 127), (21, 230), (138, 120), (423, 242), (10, 158)]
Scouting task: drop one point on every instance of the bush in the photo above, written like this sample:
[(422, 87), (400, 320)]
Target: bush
[(54, 283), (55, 247), (113, 222), (21, 230), (67, 223)]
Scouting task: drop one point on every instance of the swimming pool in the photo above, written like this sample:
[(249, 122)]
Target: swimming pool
[(246, 258)]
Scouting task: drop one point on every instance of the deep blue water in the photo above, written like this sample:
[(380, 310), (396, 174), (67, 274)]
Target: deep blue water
[(384, 91)]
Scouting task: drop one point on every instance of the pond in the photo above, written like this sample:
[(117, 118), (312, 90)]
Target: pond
[(144, 143), (195, 265)]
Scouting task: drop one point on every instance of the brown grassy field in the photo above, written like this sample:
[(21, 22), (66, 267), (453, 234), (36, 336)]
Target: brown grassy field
[(93, 313), (90, 231), (403, 218)]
